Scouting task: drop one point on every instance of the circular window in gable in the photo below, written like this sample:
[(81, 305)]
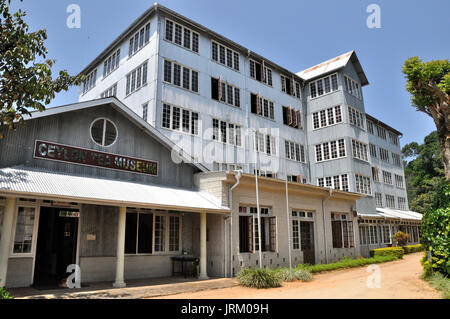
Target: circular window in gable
[(103, 132)]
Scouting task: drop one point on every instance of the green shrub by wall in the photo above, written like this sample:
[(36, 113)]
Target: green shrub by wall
[(392, 251), (258, 278), (413, 248)]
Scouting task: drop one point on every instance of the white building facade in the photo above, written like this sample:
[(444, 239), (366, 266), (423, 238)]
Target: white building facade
[(230, 108)]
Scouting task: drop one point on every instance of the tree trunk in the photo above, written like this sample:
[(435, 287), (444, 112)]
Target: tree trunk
[(442, 122), (445, 146)]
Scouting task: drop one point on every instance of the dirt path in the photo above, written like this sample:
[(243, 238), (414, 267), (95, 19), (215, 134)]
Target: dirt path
[(399, 279)]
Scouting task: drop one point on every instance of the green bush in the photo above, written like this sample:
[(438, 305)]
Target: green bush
[(393, 251), (401, 238), (427, 271), (413, 248), (436, 238), (296, 274), (347, 263), (258, 278), (4, 294), (440, 282)]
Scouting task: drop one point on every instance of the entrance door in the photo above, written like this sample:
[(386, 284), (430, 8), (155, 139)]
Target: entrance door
[(56, 245), (307, 241)]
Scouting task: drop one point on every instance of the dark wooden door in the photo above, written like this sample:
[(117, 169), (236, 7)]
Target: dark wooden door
[(307, 242)]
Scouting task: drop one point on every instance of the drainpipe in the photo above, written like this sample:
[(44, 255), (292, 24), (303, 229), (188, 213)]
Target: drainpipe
[(230, 197), (330, 192)]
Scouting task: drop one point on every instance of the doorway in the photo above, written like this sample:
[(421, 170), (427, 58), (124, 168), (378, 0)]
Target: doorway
[(307, 242), (56, 245)]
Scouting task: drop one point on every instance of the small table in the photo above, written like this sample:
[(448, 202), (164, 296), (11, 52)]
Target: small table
[(182, 259)]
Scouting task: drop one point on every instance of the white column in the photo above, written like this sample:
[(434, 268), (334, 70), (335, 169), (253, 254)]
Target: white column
[(203, 273), (120, 262), (5, 240)]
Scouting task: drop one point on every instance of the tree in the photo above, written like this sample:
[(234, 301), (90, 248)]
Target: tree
[(429, 86), (424, 173), (25, 74)]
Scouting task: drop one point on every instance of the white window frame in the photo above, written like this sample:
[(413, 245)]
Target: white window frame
[(354, 87), (183, 28), (180, 129), (233, 56), (330, 152), (105, 119), (356, 117), (131, 50), (315, 82), (327, 117), (181, 86)]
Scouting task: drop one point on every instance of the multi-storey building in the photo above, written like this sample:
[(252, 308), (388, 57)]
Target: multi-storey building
[(143, 169), (230, 108)]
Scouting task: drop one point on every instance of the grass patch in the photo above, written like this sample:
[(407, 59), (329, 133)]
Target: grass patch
[(347, 263), (296, 274), (441, 283), (4, 294), (259, 278)]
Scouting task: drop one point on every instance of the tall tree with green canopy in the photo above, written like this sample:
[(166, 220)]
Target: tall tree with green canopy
[(26, 81), (429, 86), (424, 173)]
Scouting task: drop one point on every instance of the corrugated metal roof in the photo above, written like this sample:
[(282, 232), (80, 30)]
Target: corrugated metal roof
[(25, 181), (335, 64), (392, 213)]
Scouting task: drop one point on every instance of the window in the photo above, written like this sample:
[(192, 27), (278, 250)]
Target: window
[(103, 132), (226, 132), (387, 177), (390, 201), (370, 127), (289, 86), (25, 224), (227, 57), (342, 231), (381, 132), (359, 150), (145, 231), (225, 92), (265, 143), (182, 36), (226, 166), (386, 234), (295, 151), (323, 86), (111, 63), (399, 181), (112, 91), (180, 76), (373, 150), (327, 117), (378, 200), (339, 182), (292, 117), (356, 117), (402, 203), (173, 116), (260, 72), (363, 184), (136, 78), (297, 218), (375, 174), (248, 229), (384, 155), (89, 83), (174, 233), (145, 111), (296, 179), (139, 40), (396, 160), (393, 138), (262, 106), (352, 87), (329, 150), (373, 234)]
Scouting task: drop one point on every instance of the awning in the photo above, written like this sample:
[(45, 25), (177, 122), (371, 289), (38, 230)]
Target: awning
[(25, 181), (392, 213)]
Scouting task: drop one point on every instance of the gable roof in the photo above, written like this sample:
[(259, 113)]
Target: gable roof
[(335, 64), (129, 114)]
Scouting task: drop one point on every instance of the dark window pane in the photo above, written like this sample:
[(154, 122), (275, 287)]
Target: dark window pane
[(145, 233), (130, 233)]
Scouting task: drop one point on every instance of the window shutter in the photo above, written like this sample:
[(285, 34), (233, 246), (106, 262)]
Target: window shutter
[(285, 115), (258, 104), (220, 89), (299, 178), (289, 116), (294, 118), (292, 86), (299, 119), (263, 74)]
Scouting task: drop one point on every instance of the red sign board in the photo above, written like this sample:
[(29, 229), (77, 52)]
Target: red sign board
[(81, 156)]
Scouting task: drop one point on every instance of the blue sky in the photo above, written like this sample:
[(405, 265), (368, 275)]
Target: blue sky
[(295, 34)]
